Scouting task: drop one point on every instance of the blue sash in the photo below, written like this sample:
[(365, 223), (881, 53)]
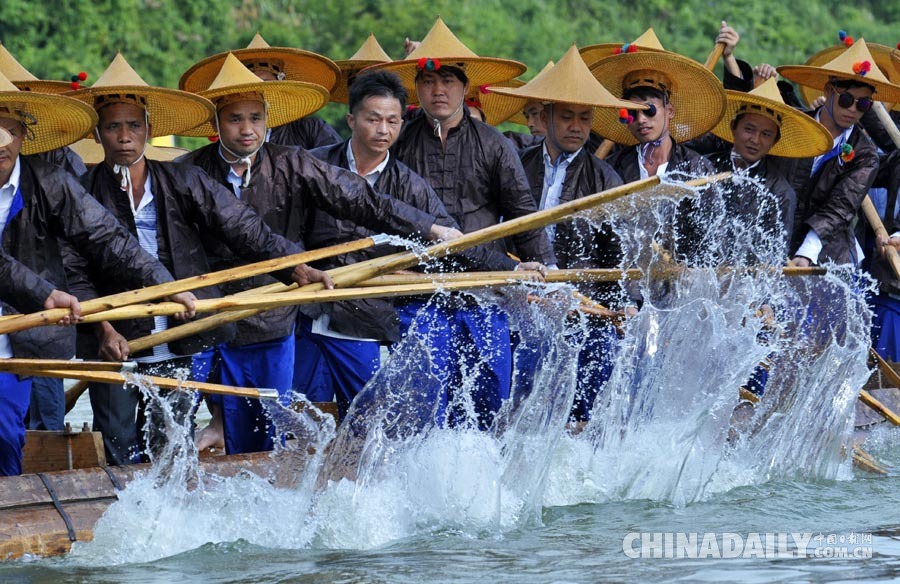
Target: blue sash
[(18, 204)]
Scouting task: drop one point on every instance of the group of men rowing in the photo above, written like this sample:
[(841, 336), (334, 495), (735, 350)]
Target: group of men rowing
[(277, 181)]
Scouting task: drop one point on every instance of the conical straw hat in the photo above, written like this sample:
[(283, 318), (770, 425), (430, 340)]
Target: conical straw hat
[(801, 135), (170, 111), (370, 53), (881, 54), (500, 108), (52, 121), (296, 64), (855, 63), (441, 47), (92, 153), (646, 42), (287, 100), (570, 81), (5, 138), (25, 80), (694, 90)]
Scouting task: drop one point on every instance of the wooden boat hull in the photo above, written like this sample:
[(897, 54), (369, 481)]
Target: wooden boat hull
[(42, 514)]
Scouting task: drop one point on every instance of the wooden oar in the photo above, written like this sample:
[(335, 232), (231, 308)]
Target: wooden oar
[(870, 400), (296, 297), (352, 274), (20, 322), (607, 145), (59, 364), (162, 382)]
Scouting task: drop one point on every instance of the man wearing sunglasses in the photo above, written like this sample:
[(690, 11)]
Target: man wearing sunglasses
[(831, 187)]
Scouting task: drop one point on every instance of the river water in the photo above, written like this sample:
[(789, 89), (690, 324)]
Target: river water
[(666, 483)]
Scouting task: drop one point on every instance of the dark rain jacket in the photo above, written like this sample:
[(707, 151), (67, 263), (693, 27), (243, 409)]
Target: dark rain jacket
[(888, 178), (57, 208), (193, 212), (286, 185), (828, 200), (309, 132), (372, 318), (681, 159), (479, 178), (747, 207), (65, 158)]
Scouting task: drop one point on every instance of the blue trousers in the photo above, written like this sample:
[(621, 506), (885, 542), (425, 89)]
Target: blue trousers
[(267, 365), (47, 410), (326, 368), (595, 364), (886, 326), (470, 351), (14, 398)]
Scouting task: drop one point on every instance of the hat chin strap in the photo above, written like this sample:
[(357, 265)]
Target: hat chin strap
[(248, 160), (436, 121)]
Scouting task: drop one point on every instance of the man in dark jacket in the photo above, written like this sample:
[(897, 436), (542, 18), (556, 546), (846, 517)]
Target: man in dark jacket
[(830, 188), (284, 185), (40, 205), (338, 349), (561, 170), (478, 176), (176, 211)]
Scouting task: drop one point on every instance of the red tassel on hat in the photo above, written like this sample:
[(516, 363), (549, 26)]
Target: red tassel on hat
[(213, 138), (862, 67), (82, 76), (484, 89), (625, 117)]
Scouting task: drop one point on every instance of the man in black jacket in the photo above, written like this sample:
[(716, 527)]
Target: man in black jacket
[(40, 204), (830, 188), (338, 348), (478, 176), (284, 185), (176, 211)]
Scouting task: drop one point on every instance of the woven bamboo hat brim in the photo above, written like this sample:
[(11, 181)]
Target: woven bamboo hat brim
[(881, 53), (499, 108), (287, 100), (844, 67), (5, 138), (370, 53), (441, 47), (296, 64), (801, 135), (646, 42), (570, 81), (25, 80), (696, 92), (170, 111), (92, 153), (52, 121)]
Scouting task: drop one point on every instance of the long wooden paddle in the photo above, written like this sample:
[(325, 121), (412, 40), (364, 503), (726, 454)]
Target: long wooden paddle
[(161, 382), (18, 322), (607, 145), (352, 274)]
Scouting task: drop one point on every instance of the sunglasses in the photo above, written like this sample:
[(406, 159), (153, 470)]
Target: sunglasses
[(650, 112), (846, 100)]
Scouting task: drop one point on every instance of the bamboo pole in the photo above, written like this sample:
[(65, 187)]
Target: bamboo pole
[(296, 297), (352, 274), (161, 382), (60, 364), (607, 145), (20, 322)]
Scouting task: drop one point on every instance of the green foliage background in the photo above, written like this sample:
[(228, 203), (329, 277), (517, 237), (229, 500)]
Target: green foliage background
[(162, 38)]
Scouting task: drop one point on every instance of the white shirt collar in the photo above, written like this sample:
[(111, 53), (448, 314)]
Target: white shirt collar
[(15, 177), (376, 172), (564, 159)]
